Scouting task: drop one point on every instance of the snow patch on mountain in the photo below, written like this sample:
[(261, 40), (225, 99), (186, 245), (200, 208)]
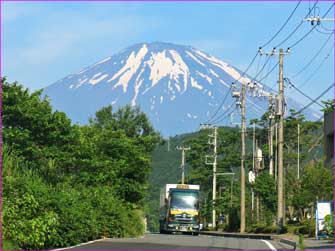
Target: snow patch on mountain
[(95, 81), (194, 58), (195, 84), (129, 69)]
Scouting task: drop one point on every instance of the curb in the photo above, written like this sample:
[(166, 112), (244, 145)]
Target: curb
[(236, 235), (289, 242), (253, 236)]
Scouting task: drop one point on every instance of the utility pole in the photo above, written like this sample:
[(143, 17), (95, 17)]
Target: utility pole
[(298, 151), (242, 225), (214, 177), (214, 164), (276, 153), (271, 136), (168, 146), (257, 170), (253, 169), (240, 101), (183, 149), (280, 207)]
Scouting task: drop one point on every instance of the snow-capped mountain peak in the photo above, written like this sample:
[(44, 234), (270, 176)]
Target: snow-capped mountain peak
[(177, 86)]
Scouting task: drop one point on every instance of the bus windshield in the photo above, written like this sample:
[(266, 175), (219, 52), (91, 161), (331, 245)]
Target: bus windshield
[(184, 200)]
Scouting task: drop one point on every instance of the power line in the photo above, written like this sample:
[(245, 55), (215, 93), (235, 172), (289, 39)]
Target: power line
[(316, 99), (219, 108), (247, 69), (227, 116), (325, 28), (269, 72), (301, 92), (223, 114), (297, 27), (271, 39), (282, 27), (302, 38), (314, 27), (313, 58), (318, 68), (324, 32), (261, 70)]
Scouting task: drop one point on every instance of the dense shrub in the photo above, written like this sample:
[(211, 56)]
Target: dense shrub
[(64, 184), (329, 219), (262, 228), (306, 227)]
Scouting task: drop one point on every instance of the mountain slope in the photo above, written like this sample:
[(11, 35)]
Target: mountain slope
[(178, 86)]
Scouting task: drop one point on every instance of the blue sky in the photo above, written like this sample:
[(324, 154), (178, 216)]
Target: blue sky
[(43, 42)]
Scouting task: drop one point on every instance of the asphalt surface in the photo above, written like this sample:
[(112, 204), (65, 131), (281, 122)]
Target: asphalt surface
[(180, 242)]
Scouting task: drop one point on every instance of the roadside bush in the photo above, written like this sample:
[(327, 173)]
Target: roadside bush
[(222, 227), (28, 222), (262, 228), (134, 223), (306, 227), (329, 220)]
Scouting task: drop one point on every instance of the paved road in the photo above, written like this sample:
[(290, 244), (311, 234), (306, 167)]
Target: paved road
[(179, 242)]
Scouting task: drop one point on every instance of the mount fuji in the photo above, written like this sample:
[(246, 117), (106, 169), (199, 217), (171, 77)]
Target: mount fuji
[(177, 86)]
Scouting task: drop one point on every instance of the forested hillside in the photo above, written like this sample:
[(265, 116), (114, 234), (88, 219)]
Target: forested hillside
[(301, 195)]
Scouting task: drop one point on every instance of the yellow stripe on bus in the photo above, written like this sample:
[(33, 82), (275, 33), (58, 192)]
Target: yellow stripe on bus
[(181, 212)]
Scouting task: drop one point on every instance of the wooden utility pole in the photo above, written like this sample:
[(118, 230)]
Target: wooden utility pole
[(214, 164), (276, 154), (183, 149), (242, 225), (271, 137), (298, 152), (214, 176), (253, 169), (280, 207), (258, 167)]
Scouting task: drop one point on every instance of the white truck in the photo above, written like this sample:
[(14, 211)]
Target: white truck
[(179, 209)]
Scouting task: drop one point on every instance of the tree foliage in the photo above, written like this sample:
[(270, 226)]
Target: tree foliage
[(63, 183)]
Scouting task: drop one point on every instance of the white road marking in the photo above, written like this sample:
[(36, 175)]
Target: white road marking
[(81, 244), (269, 244)]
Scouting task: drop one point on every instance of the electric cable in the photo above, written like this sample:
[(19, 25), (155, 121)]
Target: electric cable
[(219, 108), (325, 28), (282, 27), (316, 99), (224, 113), (297, 27), (261, 70), (318, 68), (247, 69), (313, 58), (324, 32), (225, 117), (301, 92)]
